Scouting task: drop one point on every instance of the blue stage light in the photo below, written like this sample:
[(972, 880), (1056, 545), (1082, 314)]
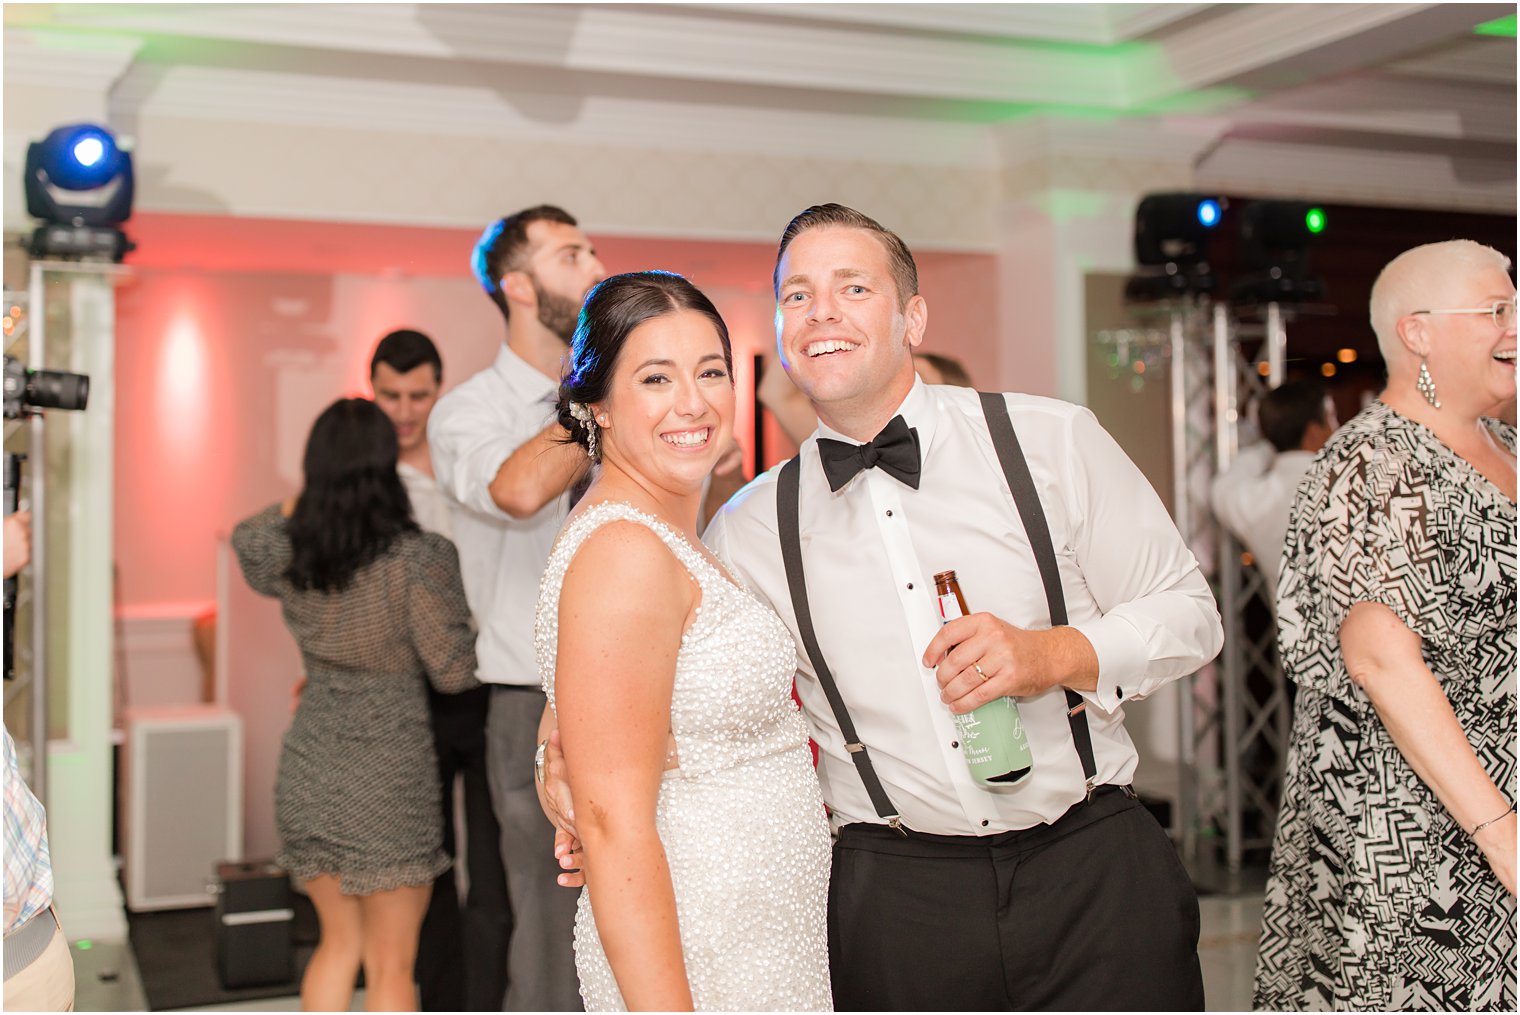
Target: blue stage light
[(81, 156), (88, 151), (79, 183), (1208, 213)]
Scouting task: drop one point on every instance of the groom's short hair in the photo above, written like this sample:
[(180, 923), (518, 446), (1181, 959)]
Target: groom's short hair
[(904, 270)]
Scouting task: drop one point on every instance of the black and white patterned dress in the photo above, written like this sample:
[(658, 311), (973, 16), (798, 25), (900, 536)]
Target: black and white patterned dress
[(1376, 898), (357, 794)]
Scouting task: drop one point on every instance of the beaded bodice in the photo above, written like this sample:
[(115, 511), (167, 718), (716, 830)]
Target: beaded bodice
[(732, 697)]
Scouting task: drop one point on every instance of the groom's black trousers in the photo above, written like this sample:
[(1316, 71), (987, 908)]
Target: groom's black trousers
[(1091, 913)]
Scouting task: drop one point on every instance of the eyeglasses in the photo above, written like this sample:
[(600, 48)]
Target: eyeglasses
[(1502, 313)]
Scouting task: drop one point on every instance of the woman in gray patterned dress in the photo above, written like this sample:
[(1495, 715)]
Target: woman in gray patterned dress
[(378, 609), (1392, 883)]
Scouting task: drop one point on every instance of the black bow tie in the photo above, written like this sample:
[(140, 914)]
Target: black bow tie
[(894, 451)]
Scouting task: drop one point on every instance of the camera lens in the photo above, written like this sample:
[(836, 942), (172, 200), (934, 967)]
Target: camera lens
[(57, 389)]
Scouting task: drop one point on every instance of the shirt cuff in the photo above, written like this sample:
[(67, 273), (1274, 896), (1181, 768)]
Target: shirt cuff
[(1122, 659)]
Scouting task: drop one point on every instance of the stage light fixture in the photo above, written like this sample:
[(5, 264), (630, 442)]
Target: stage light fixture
[(1275, 237), (79, 183), (1171, 244)]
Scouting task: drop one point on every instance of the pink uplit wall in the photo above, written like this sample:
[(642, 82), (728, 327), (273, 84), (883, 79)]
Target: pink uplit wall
[(232, 335)]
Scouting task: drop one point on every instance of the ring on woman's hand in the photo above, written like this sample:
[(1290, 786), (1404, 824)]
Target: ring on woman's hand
[(981, 673)]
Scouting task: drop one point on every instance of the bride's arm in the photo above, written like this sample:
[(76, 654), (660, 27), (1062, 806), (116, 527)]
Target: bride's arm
[(623, 606)]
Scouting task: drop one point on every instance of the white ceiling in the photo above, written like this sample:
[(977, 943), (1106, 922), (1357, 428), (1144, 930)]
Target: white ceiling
[(919, 83)]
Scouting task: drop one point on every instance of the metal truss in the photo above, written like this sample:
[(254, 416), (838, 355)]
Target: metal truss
[(1234, 713)]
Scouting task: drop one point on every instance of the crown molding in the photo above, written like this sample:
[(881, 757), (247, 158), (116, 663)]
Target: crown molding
[(1239, 39), (1081, 23), (1393, 104), (428, 110), (1359, 176), (58, 59), (686, 43), (1474, 59)]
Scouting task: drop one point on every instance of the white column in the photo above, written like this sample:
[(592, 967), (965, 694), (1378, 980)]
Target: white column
[(81, 680)]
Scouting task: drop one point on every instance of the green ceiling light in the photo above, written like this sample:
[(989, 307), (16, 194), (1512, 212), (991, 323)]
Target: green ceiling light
[(1314, 220), (1504, 27)]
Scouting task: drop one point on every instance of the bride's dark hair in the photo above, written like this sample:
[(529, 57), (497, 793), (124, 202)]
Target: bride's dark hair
[(612, 310)]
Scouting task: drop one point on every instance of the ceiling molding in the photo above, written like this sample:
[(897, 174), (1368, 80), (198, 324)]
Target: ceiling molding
[(63, 59), (871, 98), (1077, 23), (1393, 104), (684, 43), (1245, 38), (1474, 59), (1359, 176)]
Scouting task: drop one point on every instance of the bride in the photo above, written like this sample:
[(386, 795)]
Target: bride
[(705, 843)]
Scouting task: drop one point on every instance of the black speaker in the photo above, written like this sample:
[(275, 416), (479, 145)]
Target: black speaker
[(254, 918)]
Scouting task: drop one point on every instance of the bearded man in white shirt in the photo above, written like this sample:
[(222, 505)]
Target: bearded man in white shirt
[(1254, 496), (461, 956), (508, 469)]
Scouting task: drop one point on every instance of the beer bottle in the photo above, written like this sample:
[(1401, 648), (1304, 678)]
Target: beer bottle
[(992, 737)]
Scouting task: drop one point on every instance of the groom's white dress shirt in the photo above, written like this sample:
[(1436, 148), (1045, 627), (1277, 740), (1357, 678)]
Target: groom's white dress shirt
[(871, 550)]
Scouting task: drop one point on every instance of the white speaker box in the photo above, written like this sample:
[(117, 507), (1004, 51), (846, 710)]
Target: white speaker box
[(183, 798)]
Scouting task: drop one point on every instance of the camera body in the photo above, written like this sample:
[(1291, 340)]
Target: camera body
[(29, 390)]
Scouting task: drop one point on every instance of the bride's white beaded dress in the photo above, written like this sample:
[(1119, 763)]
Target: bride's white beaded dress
[(741, 818)]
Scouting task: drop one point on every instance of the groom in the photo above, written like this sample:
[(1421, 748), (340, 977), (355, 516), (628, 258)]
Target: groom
[(1058, 892)]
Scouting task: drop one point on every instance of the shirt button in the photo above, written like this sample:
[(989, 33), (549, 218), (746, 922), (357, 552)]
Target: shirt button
[(889, 512), (910, 585), (1119, 692), (984, 822), (955, 743)]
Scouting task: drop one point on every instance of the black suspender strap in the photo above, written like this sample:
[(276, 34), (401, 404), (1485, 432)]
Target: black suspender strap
[(1027, 500), (788, 494)]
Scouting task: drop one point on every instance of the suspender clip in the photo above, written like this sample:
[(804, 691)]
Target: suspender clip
[(854, 748), (1078, 710), (1092, 788), (895, 823)]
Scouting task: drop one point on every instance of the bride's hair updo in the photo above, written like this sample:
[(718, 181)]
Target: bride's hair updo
[(613, 308)]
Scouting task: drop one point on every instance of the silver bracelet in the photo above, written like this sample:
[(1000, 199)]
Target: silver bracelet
[(1510, 810)]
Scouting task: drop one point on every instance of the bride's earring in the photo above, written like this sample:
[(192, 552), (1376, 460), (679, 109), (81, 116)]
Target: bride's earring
[(1426, 385), (583, 415), (596, 426)]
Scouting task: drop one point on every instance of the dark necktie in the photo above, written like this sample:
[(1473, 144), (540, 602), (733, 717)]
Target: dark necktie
[(894, 451)]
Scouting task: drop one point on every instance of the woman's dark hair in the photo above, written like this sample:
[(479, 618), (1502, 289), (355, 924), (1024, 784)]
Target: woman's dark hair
[(613, 308), (353, 504)]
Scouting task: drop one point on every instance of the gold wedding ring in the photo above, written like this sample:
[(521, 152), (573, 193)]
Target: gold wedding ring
[(980, 672)]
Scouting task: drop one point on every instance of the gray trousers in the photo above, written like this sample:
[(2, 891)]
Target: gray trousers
[(540, 953)]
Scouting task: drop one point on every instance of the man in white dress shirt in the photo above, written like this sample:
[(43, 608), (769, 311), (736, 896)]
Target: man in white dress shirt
[(1254, 496), (1057, 892), (461, 957), (498, 453)]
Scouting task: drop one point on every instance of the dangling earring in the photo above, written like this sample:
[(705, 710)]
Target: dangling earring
[(1427, 386), (582, 412)]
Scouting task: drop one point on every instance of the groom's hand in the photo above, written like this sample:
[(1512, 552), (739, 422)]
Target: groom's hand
[(980, 658), (567, 850), (554, 798)]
